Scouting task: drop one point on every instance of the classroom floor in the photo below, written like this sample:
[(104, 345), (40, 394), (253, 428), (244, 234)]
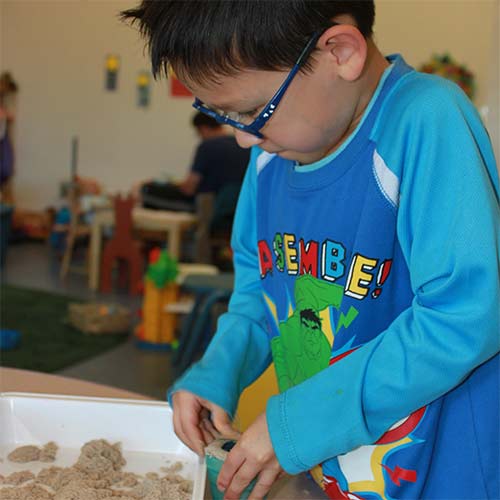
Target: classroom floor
[(149, 373)]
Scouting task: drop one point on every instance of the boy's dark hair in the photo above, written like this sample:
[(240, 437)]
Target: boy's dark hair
[(203, 120), (203, 39)]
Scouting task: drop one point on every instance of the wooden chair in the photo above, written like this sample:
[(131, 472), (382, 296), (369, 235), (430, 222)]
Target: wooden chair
[(215, 213), (204, 211), (122, 247), (76, 228)]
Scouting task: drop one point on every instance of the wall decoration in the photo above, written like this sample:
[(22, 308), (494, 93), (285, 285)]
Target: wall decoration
[(177, 89), (112, 67), (444, 65), (143, 89)]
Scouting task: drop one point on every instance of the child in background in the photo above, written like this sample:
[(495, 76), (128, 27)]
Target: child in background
[(8, 90), (366, 250)]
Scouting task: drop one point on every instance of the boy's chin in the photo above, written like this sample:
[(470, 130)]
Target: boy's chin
[(288, 155), (301, 158)]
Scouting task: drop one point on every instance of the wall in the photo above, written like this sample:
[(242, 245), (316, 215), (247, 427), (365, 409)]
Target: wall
[(419, 28), (467, 29), (56, 51), (2, 27), (493, 103)]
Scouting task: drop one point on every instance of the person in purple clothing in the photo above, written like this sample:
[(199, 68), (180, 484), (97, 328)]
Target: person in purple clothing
[(372, 200), (8, 88)]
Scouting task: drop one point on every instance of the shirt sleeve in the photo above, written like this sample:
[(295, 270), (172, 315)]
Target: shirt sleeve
[(239, 351), (449, 230), (200, 160)]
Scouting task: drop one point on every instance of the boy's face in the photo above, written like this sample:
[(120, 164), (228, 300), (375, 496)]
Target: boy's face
[(311, 120)]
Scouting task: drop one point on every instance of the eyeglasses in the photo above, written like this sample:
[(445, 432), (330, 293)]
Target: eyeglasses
[(237, 120)]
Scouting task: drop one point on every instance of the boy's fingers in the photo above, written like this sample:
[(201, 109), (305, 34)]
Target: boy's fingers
[(197, 440), (222, 424), (264, 483), (206, 422), (207, 437), (229, 468), (238, 481), (189, 422), (198, 422), (208, 426), (178, 429)]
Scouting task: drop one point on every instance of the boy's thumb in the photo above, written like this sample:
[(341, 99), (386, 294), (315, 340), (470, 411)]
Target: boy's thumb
[(221, 422)]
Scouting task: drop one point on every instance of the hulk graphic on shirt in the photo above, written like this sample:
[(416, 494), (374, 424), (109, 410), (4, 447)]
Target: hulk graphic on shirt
[(302, 349)]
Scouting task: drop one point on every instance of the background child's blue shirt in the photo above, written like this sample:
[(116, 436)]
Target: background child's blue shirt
[(405, 218)]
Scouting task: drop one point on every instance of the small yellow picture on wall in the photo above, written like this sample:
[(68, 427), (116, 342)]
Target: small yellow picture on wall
[(143, 89), (112, 67)]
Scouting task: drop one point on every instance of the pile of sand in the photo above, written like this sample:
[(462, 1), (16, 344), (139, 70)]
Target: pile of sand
[(96, 475), (25, 454)]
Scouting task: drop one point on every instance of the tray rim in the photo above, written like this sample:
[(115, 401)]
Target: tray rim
[(97, 399)]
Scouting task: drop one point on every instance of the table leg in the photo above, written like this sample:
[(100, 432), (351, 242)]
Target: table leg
[(95, 254), (174, 242)]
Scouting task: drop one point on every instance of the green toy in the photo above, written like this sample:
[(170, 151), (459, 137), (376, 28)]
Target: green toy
[(162, 269)]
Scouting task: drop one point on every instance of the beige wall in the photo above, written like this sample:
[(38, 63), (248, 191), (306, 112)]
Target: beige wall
[(493, 103), (467, 29), (419, 28), (56, 50), (2, 27)]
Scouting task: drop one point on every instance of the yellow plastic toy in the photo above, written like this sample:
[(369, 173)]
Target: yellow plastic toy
[(157, 330)]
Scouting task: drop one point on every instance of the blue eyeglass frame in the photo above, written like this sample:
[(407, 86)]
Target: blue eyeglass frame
[(255, 127)]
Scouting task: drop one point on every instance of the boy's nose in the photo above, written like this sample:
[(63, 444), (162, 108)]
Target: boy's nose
[(246, 140)]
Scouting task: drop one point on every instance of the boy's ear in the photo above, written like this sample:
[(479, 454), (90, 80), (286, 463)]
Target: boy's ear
[(348, 47)]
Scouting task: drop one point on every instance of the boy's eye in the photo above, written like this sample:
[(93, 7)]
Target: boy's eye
[(237, 115), (247, 117), (252, 112)]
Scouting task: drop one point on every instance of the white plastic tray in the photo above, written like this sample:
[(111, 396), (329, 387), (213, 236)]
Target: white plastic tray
[(144, 428)]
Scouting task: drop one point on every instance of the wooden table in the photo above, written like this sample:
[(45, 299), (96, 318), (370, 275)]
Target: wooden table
[(172, 223), (12, 380)]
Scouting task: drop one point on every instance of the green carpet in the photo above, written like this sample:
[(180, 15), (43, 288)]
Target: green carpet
[(48, 343)]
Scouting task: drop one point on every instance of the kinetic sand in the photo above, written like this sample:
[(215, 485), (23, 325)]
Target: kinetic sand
[(96, 475)]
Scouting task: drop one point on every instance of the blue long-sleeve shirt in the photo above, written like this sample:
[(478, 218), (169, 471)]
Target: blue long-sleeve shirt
[(373, 278)]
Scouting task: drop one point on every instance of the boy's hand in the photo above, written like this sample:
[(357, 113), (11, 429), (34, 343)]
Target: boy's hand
[(252, 456), (197, 422)]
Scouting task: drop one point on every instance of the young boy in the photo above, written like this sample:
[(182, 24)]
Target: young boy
[(368, 219)]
